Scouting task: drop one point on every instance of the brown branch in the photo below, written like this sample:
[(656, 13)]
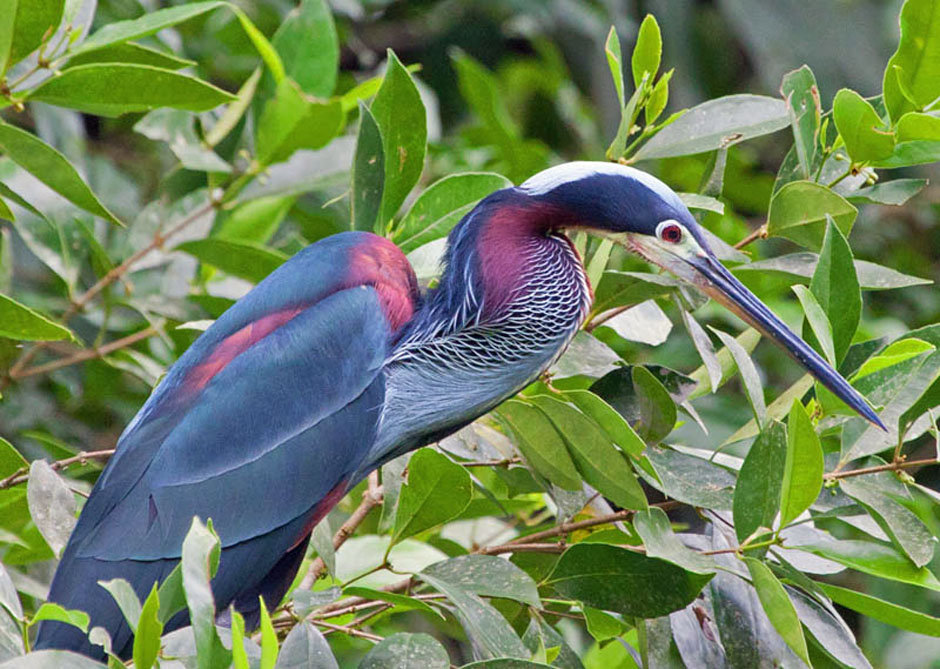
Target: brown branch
[(544, 547), (759, 233), (22, 475), (112, 275), (345, 629), (505, 462), (85, 354), (600, 319), (371, 498), (890, 467)]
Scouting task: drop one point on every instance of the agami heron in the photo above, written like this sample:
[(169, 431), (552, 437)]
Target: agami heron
[(336, 363)]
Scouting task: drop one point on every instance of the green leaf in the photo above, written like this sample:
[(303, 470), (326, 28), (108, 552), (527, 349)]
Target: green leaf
[(717, 124), (442, 204), (616, 579), (647, 52), (645, 323), (487, 575), (309, 47), (749, 375), (407, 651), (886, 612), (895, 192), (703, 344), (50, 167), (148, 632), (228, 120), (540, 444), (894, 354), (147, 24), (305, 647), (269, 647), (803, 467), (798, 212), (870, 557), (112, 89), (659, 98), (657, 408), (778, 607), (256, 220), (914, 126), (126, 599), (859, 125), (35, 20), (802, 96), (7, 28), (836, 287), (246, 260), (400, 602), (692, 480), (368, 177), (401, 117), (617, 288), (492, 635), (17, 321), (129, 53), (817, 320), (176, 128), (438, 490), (615, 62), (747, 340), (239, 656), (200, 558), (290, 122), (171, 594), (53, 611), (914, 69), (609, 419), (870, 275), (757, 494), (702, 202), (660, 541), (9, 599), (907, 154), (899, 522), (601, 465), (51, 505)]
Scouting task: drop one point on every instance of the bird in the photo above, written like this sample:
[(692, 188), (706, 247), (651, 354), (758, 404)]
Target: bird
[(337, 363)]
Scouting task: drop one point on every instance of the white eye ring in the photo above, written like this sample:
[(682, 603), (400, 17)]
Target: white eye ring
[(670, 231)]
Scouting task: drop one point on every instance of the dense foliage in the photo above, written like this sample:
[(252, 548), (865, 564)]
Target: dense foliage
[(649, 517)]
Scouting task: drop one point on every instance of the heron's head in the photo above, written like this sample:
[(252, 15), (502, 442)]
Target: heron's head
[(644, 215)]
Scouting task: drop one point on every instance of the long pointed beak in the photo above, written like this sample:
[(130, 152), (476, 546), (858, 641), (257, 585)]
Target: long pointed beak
[(716, 281)]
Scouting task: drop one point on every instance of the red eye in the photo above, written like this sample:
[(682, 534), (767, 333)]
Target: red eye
[(671, 233)]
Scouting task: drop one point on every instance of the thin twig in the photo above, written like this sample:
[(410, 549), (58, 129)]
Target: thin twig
[(544, 547), (600, 319), (345, 629), (22, 475), (505, 462), (759, 233), (890, 467), (85, 354), (371, 498)]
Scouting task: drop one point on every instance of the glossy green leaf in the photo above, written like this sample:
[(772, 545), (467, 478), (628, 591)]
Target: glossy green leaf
[(540, 444), (717, 124), (437, 491), (147, 24), (400, 602), (407, 651), (873, 558), (692, 480), (803, 466), (618, 429), (906, 154), (616, 579), (802, 97), (52, 168), (861, 128), (269, 646), (886, 612), (129, 52), (34, 20), (148, 632), (255, 220), (893, 354), (290, 121), (870, 276), (836, 287), (112, 89), (749, 375), (914, 126), (817, 320), (229, 119), (8, 26), (305, 647), (487, 575), (401, 117), (53, 611), (17, 321), (757, 493), (660, 541), (492, 635), (239, 655), (600, 463), (245, 260), (895, 192), (123, 594), (442, 204), (914, 69), (659, 98), (368, 175), (900, 523), (586, 355), (647, 52), (747, 340), (778, 607), (309, 47), (200, 558), (618, 288), (798, 212), (645, 323), (51, 505), (657, 408), (615, 62), (171, 594)]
